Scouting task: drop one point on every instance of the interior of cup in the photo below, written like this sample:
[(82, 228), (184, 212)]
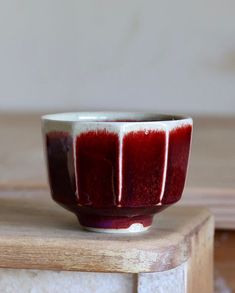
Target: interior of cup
[(112, 117)]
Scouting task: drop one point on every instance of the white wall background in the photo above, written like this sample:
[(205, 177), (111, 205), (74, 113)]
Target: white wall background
[(118, 54)]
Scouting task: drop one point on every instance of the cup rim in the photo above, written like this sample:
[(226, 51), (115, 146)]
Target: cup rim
[(114, 117)]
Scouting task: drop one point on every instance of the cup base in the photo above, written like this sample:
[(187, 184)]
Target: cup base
[(115, 224), (134, 228)]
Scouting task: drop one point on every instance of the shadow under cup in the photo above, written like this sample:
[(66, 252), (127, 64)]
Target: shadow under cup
[(116, 170)]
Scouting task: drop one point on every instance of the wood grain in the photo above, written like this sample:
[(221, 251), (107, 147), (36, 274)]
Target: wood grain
[(221, 205), (200, 264), (212, 164), (225, 261), (36, 233), (211, 176), (21, 153), (211, 180)]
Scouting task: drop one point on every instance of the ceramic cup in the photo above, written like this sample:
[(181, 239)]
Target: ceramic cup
[(116, 170)]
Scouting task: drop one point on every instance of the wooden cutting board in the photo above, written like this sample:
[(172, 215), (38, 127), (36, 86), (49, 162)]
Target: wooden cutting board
[(37, 233), (211, 177)]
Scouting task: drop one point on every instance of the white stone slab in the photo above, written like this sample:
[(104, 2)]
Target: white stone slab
[(172, 281), (38, 281)]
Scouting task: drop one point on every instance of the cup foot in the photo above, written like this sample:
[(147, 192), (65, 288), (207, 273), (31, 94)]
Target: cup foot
[(134, 228), (112, 224)]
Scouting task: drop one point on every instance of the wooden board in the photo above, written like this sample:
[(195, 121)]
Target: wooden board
[(37, 233), (21, 152), (201, 265), (221, 205), (211, 177), (212, 165)]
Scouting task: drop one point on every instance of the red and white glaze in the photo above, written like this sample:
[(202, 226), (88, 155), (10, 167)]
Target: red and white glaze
[(115, 175)]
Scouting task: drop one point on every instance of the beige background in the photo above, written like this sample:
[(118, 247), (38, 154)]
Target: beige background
[(156, 55)]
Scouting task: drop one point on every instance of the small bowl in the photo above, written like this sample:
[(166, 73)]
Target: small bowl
[(116, 170)]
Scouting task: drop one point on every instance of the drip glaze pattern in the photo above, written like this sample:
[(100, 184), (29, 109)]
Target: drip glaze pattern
[(113, 177)]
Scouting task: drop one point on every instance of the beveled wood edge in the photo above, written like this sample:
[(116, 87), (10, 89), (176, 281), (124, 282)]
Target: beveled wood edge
[(33, 253), (131, 261)]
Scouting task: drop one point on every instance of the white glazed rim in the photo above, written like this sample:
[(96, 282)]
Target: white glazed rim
[(114, 117)]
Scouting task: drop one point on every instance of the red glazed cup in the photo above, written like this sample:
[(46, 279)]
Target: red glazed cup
[(116, 170)]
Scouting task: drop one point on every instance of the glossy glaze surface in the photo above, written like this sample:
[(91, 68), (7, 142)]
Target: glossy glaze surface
[(60, 161), (97, 157), (143, 164), (178, 154)]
